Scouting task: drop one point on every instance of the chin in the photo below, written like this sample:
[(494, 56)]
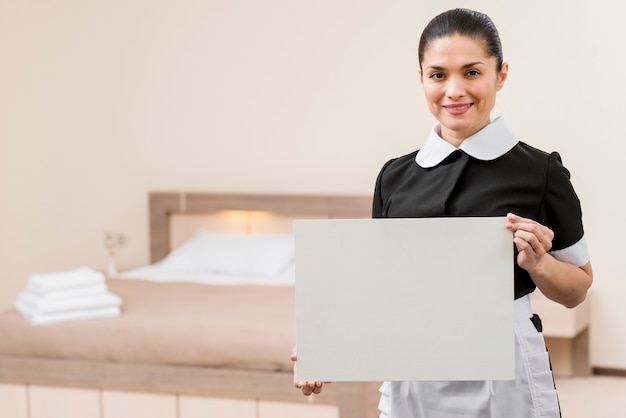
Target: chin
[(455, 125)]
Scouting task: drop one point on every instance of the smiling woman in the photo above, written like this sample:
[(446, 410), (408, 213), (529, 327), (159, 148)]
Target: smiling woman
[(469, 166), (461, 69)]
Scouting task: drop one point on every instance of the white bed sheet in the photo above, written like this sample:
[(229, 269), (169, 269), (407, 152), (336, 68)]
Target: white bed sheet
[(155, 273)]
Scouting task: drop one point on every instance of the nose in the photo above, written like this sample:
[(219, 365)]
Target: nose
[(455, 88)]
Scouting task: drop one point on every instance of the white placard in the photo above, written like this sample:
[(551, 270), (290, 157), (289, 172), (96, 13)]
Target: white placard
[(404, 299)]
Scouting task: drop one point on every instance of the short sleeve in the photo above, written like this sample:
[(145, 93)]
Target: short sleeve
[(561, 212)]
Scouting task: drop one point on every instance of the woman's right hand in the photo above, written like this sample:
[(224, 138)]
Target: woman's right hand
[(307, 387)]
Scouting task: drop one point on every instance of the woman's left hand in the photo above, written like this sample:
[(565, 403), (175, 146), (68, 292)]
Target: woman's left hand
[(533, 240)]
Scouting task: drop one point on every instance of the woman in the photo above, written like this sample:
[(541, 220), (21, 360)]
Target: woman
[(471, 165)]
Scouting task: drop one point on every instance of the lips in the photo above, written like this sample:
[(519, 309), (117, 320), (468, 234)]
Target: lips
[(458, 108)]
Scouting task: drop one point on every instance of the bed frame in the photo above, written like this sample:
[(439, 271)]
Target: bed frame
[(354, 400)]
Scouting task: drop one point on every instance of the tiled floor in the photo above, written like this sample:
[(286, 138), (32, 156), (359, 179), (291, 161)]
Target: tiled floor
[(592, 397)]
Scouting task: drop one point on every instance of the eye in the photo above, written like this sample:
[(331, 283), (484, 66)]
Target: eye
[(473, 73), (436, 76)]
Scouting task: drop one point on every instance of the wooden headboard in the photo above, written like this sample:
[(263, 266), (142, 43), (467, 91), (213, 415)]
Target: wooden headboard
[(164, 205)]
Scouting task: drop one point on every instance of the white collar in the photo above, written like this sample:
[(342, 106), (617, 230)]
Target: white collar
[(491, 142)]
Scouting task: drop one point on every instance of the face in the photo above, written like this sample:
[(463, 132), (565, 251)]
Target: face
[(460, 82)]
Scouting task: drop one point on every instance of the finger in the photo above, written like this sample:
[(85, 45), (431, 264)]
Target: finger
[(530, 245), (513, 220), (310, 387), (317, 387), (516, 219), (527, 237), (523, 246), (517, 222), (533, 232), (540, 242), (294, 353), (511, 217), (304, 384), (526, 225)]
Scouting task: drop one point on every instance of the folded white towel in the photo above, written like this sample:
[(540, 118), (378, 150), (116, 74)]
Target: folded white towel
[(32, 304), (73, 292), (49, 318), (49, 282)]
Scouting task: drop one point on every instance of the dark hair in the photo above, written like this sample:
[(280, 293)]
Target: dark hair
[(463, 22)]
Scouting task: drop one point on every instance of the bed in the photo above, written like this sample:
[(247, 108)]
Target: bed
[(165, 340)]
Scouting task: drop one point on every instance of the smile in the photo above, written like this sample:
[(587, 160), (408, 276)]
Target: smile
[(458, 109)]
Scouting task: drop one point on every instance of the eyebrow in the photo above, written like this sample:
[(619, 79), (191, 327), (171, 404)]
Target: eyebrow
[(464, 67)]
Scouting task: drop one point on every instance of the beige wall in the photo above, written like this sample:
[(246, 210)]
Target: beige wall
[(102, 101)]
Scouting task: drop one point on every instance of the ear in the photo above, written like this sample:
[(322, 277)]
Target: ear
[(419, 72), (502, 75)]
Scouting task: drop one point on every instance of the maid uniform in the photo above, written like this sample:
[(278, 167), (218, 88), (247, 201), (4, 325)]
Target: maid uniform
[(490, 174)]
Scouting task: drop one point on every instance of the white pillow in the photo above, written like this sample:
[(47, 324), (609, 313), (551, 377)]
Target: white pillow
[(231, 253)]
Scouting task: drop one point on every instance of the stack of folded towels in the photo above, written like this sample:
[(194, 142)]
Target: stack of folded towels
[(65, 296)]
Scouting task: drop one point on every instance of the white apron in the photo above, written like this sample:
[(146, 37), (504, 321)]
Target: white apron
[(531, 395)]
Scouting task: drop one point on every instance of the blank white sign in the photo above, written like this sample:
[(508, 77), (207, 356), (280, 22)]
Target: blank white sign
[(404, 299)]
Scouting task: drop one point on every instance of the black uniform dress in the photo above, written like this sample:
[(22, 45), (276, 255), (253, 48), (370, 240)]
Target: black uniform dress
[(490, 174)]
